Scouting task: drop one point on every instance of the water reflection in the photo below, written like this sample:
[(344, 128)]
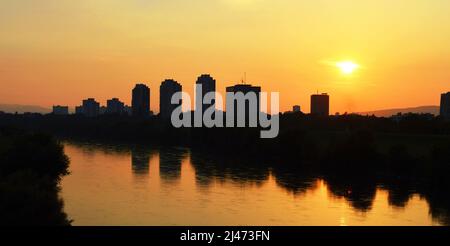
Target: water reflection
[(170, 163), (294, 179), (359, 192), (210, 168), (186, 187), (140, 161)]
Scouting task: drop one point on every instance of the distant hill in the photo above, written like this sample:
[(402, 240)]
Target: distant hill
[(389, 112), (12, 108)]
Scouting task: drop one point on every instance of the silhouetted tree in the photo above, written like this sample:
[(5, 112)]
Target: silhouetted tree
[(31, 166)]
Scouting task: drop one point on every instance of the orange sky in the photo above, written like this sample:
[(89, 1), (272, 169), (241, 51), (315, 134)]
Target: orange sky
[(61, 51)]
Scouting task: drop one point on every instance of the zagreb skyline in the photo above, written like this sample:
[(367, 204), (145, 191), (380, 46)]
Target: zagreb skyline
[(61, 51)]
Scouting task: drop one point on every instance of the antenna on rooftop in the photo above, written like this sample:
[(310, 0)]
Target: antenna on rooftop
[(244, 79)]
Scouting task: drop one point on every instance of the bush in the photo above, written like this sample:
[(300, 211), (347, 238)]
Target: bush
[(31, 166)]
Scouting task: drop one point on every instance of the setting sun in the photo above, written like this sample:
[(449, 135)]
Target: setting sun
[(347, 67)]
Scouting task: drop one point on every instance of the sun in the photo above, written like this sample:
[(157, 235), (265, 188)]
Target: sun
[(347, 67)]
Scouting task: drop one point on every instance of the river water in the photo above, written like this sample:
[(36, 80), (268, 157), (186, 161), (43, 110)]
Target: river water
[(114, 184)]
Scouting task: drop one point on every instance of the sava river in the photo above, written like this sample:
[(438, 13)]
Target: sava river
[(113, 184)]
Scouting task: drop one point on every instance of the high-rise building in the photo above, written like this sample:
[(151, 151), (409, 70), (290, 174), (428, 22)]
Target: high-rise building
[(115, 106), (320, 104), (208, 85), (60, 110), (296, 109), (248, 91), (167, 89), (90, 107), (445, 106), (141, 101)]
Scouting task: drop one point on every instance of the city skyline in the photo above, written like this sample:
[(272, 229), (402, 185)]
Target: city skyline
[(319, 102), (114, 105), (169, 86), (155, 100), (70, 50)]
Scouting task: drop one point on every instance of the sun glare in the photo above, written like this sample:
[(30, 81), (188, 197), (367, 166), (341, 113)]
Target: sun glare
[(347, 67)]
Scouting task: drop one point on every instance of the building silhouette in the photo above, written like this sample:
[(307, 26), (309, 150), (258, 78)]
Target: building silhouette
[(296, 109), (115, 106), (208, 85), (445, 106), (320, 104), (247, 90), (140, 101), (89, 108), (60, 110), (167, 89)]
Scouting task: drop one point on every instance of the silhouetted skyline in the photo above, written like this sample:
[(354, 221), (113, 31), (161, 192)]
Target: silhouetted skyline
[(320, 103)]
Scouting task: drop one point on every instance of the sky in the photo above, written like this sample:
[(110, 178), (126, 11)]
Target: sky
[(62, 51)]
